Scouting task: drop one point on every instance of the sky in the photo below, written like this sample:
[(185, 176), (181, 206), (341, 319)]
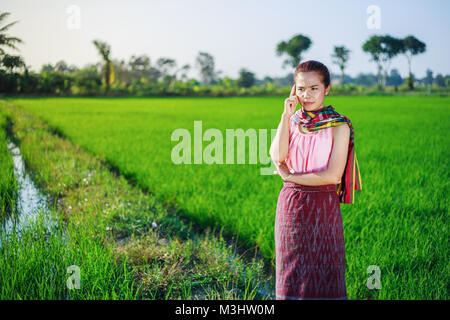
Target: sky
[(237, 33)]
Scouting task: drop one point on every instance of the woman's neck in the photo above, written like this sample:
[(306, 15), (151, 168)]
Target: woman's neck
[(315, 109)]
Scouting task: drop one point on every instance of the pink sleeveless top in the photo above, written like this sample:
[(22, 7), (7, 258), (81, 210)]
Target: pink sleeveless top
[(308, 152)]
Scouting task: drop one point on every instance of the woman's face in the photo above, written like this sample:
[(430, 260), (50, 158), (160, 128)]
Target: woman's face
[(310, 90)]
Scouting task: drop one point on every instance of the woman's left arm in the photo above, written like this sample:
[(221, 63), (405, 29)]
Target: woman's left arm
[(336, 165)]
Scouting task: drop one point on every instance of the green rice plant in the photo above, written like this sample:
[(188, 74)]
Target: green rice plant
[(398, 221), (165, 256), (8, 183), (35, 263)]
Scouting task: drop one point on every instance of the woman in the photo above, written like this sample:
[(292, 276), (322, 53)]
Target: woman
[(313, 151)]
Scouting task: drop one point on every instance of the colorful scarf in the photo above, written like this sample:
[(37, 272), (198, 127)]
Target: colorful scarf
[(325, 118)]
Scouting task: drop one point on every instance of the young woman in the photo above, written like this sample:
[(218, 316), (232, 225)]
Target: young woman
[(313, 151)]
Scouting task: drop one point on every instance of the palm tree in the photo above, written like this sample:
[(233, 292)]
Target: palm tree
[(5, 39), (104, 50)]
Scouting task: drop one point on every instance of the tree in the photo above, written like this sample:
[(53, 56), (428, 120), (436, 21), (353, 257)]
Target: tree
[(10, 62), (373, 47), (366, 79), (104, 50), (183, 70), (5, 39), (411, 47), (206, 66), (382, 49), (139, 63), (394, 79), (294, 49), (246, 78), (140, 68), (121, 72), (62, 66), (88, 80), (429, 78), (268, 79), (47, 68), (165, 66), (391, 48), (29, 82), (439, 80), (340, 56)]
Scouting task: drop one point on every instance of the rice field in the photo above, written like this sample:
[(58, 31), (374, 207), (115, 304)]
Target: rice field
[(34, 260), (121, 243), (8, 184), (398, 221)]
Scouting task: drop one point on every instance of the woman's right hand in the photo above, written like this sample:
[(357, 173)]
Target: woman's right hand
[(290, 104)]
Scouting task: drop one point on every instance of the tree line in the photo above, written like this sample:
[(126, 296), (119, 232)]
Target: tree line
[(144, 77)]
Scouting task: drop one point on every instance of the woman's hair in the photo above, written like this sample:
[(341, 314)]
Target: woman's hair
[(312, 65)]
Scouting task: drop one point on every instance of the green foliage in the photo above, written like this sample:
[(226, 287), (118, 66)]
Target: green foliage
[(10, 62), (5, 39), (410, 81), (413, 46), (293, 49), (206, 65), (34, 263), (88, 81), (397, 220), (8, 183), (340, 57), (246, 78), (9, 82), (114, 234)]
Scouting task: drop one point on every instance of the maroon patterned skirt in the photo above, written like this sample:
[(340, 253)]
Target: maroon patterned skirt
[(309, 243)]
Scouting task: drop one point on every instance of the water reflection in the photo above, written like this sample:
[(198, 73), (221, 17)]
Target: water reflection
[(30, 200)]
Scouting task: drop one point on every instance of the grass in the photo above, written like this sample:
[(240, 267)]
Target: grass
[(34, 264), (165, 256), (399, 219)]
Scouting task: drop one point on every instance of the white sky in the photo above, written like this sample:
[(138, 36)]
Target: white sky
[(238, 33)]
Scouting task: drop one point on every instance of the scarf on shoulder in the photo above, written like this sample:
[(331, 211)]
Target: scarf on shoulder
[(325, 118)]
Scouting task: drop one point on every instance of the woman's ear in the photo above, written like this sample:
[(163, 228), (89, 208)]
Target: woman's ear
[(327, 90)]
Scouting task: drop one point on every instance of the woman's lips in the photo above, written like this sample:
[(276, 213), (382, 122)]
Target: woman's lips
[(307, 103)]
